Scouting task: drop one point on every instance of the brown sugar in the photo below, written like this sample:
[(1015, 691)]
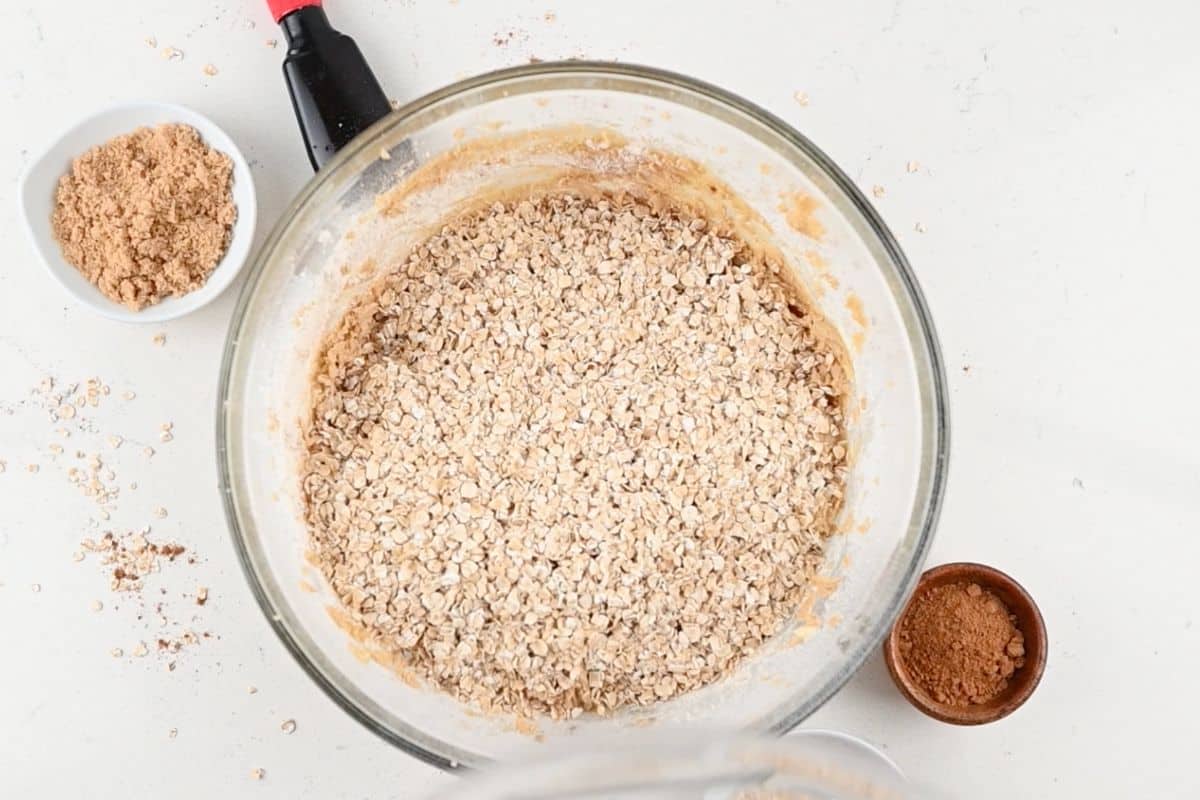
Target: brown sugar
[(961, 644), (147, 215)]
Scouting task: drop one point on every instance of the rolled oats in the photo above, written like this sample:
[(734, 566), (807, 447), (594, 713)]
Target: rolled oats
[(574, 454)]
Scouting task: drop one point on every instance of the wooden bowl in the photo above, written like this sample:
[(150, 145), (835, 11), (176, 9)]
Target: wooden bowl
[(1023, 681)]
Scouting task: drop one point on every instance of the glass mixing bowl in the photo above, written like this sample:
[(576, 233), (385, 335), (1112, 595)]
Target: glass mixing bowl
[(337, 236)]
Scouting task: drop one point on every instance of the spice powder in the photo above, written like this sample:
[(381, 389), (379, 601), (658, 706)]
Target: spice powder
[(961, 644)]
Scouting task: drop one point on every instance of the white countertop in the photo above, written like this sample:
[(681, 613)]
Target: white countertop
[(1057, 189)]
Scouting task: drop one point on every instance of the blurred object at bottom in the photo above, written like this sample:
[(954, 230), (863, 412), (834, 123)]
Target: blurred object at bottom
[(686, 765)]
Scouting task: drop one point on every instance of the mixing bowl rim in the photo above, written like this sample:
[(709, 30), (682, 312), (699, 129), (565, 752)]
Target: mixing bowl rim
[(934, 462)]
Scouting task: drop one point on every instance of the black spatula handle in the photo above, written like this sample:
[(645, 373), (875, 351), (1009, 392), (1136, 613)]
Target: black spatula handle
[(334, 93)]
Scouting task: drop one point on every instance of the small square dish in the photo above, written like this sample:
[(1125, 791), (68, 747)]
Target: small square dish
[(40, 182)]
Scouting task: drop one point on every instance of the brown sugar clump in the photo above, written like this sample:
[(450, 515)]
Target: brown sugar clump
[(147, 215), (961, 644)]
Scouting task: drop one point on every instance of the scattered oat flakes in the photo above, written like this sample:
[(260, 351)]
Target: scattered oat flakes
[(128, 394), (172, 54), (272, 43), (878, 190), (258, 773), (165, 436), (66, 411), (116, 652), (35, 588), (801, 98), (550, 16), (919, 227), (210, 70), (160, 512), (171, 734), (97, 605), (33, 467), (3, 465), (147, 451), (77, 556), (288, 726), (251, 690), (912, 166), (115, 441), (55, 448), (140, 650), (160, 339), (151, 42), (202, 595)]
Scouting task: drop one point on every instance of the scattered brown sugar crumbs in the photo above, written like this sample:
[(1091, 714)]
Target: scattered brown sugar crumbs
[(132, 556), (574, 454), (961, 644), (147, 215), (128, 558)]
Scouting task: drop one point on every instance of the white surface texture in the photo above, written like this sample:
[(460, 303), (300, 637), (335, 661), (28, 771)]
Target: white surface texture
[(1056, 186)]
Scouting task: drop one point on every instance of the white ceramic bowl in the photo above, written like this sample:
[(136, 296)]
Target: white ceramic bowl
[(38, 186)]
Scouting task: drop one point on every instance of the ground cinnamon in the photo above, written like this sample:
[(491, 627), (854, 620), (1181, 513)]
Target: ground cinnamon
[(961, 644)]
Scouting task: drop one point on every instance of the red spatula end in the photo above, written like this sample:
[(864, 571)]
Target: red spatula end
[(281, 8)]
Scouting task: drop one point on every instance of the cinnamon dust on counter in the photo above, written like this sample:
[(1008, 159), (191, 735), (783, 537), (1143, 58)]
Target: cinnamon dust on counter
[(961, 644), (147, 215)]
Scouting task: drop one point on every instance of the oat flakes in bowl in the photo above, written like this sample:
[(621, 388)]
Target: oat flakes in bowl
[(574, 454), (591, 131)]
